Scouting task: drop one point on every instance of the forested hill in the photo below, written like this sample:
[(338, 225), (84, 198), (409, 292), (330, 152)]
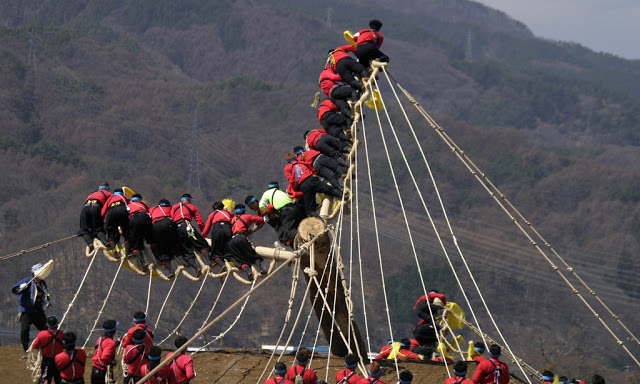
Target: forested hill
[(114, 90)]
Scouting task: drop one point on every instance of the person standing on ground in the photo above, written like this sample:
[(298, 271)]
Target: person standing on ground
[(349, 375), (459, 370), (71, 361), (33, 299), (492, 370), (307, 375), (181, 368), (105, 352), (49, 342)]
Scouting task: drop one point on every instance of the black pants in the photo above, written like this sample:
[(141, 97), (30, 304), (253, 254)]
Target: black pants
[(422, 310), (117, 216), (220, 237), (329, 168), (165, 234), (188, 242), (346, 67), (98, 375), (141, 229), (425, 334), (340, 94), (49, 366), (91, 224), (312, 185), (289, 221), (37, 318), (331, 146), (335, 123), (242, 251), (367, 52)]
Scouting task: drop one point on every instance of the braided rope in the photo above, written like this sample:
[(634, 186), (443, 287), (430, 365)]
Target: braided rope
[(42, 246), (204, 280)]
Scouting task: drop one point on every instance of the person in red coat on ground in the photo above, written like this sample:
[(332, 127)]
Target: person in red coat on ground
[(91, 225), (139, 321), (547, 377), (182, 213), (308, 375), (346, 66), (49, 342), (135, 355), (240, 247), (479, 347), (492, 370), (459, 371), (105, 352), (405, 377), (403, 353), (375, 370), (280, 371), (349, 375), (115, 215), (368, 42), (71, 361), (181, 368), (162, 376)]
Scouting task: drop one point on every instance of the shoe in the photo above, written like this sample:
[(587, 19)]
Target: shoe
[(198, 273), (249, 273), (171, 276), (263, 271), (90, 247)]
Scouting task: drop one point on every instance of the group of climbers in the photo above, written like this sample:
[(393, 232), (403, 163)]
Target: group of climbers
[(63, 363)]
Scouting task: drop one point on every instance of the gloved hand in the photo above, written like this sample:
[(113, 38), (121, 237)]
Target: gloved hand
[(266, 219)]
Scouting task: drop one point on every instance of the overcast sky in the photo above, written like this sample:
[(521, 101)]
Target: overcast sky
[(611, 26)]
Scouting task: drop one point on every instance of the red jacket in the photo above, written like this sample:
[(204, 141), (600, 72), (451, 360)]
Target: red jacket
[(148, 337), (49, 342), (367, 35), (484, 373), (137, 206), (217, 216), (162, 376), (403, 353), (308, 157), (71, 366), (296, 173), (431, 295), (338, 54), (136, 357), (181, 369), (457, 380), (349, 375), (370, 380), (479, 358), (278, 380), (314, 136), (114, 201), (158, 213), (293, 194), (328, 80), (105, 352), (187, 212), (326, 106), (242, 223), (100, 197), (308, 377)]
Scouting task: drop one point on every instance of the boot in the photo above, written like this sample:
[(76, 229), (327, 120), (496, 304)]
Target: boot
[(167, 264), (249, 273), (156, 254), (109, 247), (138, 255), (258, 264), (206, 257), (193, 263), (127, 248)]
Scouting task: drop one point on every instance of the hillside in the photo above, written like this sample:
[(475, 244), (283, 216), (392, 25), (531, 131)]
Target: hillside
[(116, 88)]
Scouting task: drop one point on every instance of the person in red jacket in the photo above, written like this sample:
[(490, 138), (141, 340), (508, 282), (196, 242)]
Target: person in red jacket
[(340, 94), (404, 352), (71, 361), (479, 347), (340, 62), (301, 178), (182, 213), (241, 248), (368, 43), (91, 225), (165, 233), (375, 370), (115, 215), (162, 376), (308, 375), (280, 371), (219, 224), (547, 377), (320, 140), (333, 120), (459, 371), (323, 165), (181, 368), (49, 342), (349, 375), (140, 227), (135, 355), (425, 306), (105, 352), (405, 377), (139, 321), (492, 370)]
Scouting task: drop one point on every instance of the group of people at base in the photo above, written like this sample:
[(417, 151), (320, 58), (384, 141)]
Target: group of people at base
[(63, 363)]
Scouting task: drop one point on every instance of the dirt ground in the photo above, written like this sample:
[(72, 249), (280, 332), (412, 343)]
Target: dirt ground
[(230, 366)]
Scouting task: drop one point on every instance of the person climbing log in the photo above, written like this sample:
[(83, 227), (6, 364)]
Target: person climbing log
[(91, 225), (240, 246), (368, 42)]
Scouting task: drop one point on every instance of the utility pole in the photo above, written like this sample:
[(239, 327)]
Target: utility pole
[(194, 173)]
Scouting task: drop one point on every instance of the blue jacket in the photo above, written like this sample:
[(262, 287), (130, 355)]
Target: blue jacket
[(27, 297)]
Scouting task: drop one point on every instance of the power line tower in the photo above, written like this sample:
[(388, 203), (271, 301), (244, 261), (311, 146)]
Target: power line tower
[(194, 172), (468, 53)]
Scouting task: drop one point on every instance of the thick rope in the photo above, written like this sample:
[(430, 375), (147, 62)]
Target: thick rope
[(166, 298), (146, 309), (75, 296), (497, 197), (224, 283), (204, 280), (42, 246)]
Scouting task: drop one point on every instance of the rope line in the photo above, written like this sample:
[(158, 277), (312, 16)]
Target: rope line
[(188, 310), (75, 296), (166, 298), (42, 246)]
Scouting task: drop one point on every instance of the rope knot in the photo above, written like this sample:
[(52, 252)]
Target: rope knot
[(310, 272)]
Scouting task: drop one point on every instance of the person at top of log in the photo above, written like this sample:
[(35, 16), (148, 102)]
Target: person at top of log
[(219, 224), (428, 304), (547, 377), (325, 166), (91, 225), (280, 371), (240, 246), (492, 370), (374, 370), (182, 213), (135, 355), (332, 85), (459, 371), (301, 178), (70, 362), (115, 215), (33, 299), (368, 42), (405, 377), (140, 228), (339, 61), (334, 120), (349, 375), (181, 368), (49, 342), (162, 376), (165, 234), (403, 351), (301, 373), (139, 321), (331, 146), (105, 352)]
